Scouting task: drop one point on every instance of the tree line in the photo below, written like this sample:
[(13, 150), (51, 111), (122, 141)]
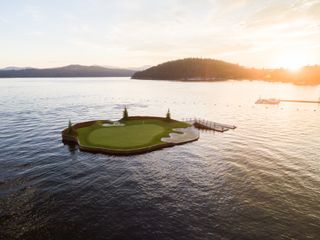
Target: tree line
[(194, 69)]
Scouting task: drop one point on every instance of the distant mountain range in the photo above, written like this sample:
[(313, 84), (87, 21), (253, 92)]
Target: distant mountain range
[(188, 69), (198, 69), (144, 67), (14, 68), (66, 71)]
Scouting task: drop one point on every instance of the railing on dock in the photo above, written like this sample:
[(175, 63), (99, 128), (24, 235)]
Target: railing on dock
[(209, 125)]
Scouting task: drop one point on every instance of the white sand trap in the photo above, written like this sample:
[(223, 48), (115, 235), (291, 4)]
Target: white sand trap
[(185, 135)]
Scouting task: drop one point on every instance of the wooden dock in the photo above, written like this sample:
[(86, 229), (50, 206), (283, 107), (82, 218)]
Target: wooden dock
[(209, 125), (300, 101), (275, 101)]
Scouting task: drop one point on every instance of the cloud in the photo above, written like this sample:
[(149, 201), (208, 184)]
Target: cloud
[(314, 10), (125, 31), (3, 20), (34, 12)]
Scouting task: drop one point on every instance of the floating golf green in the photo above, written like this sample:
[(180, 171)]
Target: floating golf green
[(131, 135)]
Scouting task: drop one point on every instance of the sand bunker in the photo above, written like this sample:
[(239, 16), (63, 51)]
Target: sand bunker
[(183, 135), (114, 124)]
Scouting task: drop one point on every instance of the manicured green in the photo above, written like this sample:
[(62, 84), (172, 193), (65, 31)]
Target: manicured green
[(133, 135)]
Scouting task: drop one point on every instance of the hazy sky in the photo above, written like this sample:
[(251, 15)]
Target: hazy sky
[(130, 33)]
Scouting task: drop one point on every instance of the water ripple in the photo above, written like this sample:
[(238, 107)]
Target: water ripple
[(261, 181)]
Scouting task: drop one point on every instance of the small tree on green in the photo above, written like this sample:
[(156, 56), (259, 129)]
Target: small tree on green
[(168, 115), (70, 127), (125, 113)]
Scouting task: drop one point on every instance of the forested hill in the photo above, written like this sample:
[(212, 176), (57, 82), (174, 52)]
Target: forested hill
[(193, 69), (198, 69), (67, 71)]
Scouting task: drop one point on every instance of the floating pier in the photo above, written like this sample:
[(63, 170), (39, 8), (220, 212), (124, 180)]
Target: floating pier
[(300, 101), (209, 125), (277, 101)]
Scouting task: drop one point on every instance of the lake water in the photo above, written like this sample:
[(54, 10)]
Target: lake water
[(260, 181)]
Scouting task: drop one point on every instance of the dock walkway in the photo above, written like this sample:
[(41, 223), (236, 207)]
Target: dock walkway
[(209, 125), (276, 101), (300, 101)]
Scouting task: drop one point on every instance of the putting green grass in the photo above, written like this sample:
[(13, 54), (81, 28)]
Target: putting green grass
[(134, 134)]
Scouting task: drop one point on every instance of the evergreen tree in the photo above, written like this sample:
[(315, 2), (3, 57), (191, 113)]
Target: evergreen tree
[(125, 113), (168, 115), (70, 127)]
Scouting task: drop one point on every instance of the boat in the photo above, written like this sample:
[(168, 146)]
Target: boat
[(268, 101)]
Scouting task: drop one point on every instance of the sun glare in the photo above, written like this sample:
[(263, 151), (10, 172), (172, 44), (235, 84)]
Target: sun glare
[(293, 64), (293, 61)]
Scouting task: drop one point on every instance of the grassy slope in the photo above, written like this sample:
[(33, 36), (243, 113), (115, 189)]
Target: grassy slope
[(135, 134)]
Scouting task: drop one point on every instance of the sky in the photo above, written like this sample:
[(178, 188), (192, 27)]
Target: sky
[(133, 33)]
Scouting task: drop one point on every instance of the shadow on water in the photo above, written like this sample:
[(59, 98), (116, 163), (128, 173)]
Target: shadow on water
[(72, 147)]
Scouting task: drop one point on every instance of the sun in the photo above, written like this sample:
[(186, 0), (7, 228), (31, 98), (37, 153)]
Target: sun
[(293, 60), (293, 64)]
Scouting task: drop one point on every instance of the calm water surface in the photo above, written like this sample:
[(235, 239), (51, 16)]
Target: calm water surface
[(260, 181)]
